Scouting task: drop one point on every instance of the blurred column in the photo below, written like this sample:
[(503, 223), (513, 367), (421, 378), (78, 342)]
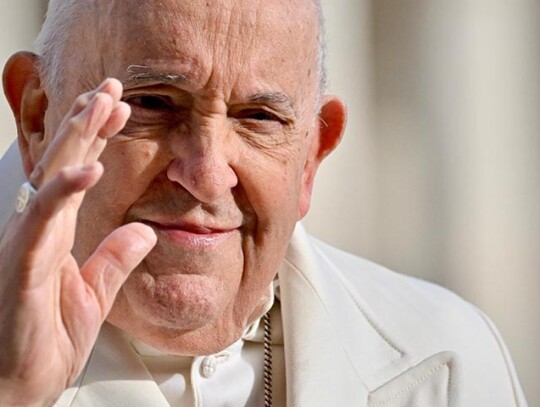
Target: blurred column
[(457, 102), (20, 21), (494, 246), (343, 209)]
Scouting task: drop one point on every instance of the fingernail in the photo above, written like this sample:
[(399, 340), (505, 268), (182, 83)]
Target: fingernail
[(103, 84), (87, 168), (99, 95)]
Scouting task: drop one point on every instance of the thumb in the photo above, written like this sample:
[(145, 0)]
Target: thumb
[(114, 259)]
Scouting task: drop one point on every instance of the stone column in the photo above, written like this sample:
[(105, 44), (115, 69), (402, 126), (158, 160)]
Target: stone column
[(457, 102)]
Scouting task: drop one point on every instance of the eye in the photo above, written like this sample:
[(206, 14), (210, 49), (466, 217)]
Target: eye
[(258, 115), (150, 102)]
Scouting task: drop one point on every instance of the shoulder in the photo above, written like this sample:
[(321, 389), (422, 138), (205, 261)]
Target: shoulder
[(379, 285), (419, 313), (415, 311), (424, 319), (385, 289)]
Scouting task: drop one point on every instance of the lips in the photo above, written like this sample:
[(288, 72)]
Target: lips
[(189, 234), (191, 228)]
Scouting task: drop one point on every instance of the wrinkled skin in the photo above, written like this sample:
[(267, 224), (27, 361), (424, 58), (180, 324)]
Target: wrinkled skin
[(226, 130)]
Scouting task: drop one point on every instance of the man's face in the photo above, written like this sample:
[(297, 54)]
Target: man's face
[(216, 156)]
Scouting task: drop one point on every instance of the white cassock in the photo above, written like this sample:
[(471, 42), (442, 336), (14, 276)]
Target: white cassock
[(347, 332)]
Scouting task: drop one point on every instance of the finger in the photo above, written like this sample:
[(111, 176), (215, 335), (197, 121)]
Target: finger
[(109, 266), (117, 120), (113, 126), (75, 138), (77, 134), (111, 86), (54, 196), (37, 227)]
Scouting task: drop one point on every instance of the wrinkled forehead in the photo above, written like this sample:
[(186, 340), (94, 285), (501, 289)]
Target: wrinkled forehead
[(290, 15), (268, 38)]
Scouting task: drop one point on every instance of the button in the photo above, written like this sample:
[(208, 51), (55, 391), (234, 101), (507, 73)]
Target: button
[(209, 363), (208, 366)]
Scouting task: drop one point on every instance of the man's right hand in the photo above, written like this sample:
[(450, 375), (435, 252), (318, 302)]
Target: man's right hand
[(51, 309)]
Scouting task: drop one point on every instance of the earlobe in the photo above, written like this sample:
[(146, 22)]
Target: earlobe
[(28, 102), (332, 119)]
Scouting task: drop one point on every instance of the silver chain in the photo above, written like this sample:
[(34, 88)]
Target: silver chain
[(267, 360)]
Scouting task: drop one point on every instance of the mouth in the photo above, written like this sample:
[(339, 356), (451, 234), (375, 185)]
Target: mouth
[(192, 235)]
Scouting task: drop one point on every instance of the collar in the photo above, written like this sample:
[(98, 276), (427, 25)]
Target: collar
[(328, 329)]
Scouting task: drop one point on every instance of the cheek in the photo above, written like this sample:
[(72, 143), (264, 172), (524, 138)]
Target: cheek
[(129, 169), (271, 183)]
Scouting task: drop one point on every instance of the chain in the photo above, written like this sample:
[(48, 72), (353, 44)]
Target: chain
[(267, 360)]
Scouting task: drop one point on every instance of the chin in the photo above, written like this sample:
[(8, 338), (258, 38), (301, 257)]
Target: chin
[(185, 315), (205, 340)]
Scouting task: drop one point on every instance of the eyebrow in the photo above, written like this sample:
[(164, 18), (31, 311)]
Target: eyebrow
[(140, 74), (277, 99)]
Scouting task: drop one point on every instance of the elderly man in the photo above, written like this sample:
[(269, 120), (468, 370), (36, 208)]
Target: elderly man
[(154, 256)]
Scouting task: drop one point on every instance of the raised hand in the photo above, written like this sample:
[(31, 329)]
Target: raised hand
[(50, 309)]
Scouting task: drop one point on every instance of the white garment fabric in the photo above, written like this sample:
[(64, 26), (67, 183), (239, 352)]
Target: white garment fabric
[(232, 377), (354, 334), (11, 178)]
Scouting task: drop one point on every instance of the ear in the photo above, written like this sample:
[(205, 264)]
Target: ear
[(22, 87), (328, 134)]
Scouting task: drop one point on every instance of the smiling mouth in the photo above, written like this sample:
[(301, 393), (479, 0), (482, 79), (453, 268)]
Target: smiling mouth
[(190, 235)]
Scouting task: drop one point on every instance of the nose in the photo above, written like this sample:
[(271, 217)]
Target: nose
[(202, 164)]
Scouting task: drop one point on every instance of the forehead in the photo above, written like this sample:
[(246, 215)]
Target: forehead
[(213, 43)]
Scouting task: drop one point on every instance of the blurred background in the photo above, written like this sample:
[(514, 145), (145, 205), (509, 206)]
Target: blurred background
[(439, 172)]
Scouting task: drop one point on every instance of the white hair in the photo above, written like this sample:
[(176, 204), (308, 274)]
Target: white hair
[(321, 49), (52, 41), (63, 15)]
